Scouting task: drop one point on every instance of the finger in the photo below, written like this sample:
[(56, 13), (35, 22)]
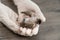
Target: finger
[(22, 31), (28, 32), (35, 30)]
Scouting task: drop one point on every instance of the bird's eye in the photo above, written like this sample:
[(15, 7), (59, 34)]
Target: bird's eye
[(38, 21)]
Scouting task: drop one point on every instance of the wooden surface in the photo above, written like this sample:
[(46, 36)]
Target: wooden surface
[(50, 30)]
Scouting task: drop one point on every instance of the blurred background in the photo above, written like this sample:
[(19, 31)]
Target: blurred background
[(50, 30)]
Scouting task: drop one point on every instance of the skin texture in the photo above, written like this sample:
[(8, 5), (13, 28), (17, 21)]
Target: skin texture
[(8, 17), (27, 21), (29, 7), (35, 16)]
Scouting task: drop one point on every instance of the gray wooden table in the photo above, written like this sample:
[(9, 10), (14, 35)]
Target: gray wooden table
[(50, 30)]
